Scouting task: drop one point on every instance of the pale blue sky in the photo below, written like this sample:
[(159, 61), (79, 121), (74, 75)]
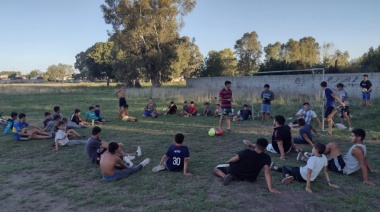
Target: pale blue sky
[(37, 33)]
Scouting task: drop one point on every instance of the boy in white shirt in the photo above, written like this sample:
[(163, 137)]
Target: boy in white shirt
[(61, 137), (309, 172), (307, 114)]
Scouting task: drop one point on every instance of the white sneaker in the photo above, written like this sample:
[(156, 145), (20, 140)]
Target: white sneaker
[(158, 168), (138, 151), (145, 162), (130, 157), (245, 142), (127, 161)]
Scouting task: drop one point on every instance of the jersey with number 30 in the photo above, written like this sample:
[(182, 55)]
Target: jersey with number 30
[(176, 156)]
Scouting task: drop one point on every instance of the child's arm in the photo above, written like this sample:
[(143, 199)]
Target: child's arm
[(328, 178), (163, 159), (56, 144), (121, 164), (308, 176), (268, 179), (185, 165), (281, 148)]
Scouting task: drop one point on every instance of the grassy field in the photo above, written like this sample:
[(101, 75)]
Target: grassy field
[(34, 178)]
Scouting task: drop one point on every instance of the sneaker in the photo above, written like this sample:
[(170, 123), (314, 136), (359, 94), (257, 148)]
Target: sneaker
[(82, 126), (227, 179), (300, 156), (327, 134), (287, 180), (228, 130), (307, 154), (83, 136), (138, 151), (127, 161), (130, 157), (272, 165), (145, 162), (158, 168)]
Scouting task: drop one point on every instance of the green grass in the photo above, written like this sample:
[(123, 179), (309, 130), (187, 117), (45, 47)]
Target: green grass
[(32, 176)]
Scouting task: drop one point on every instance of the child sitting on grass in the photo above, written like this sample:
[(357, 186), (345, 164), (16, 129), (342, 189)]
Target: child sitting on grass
[(217, 111), (309, 172), (185, 109), (176, 157), (113, 168), (10, 122), (192, 109), (126, 117), (61, 137), (172, 109), (207, 111), (90, 114), (47, 119)]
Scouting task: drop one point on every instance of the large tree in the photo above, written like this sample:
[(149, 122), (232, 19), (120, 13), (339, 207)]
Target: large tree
[(147, 31), (248, 50), (58, 72), (101, 58), (221, 63)]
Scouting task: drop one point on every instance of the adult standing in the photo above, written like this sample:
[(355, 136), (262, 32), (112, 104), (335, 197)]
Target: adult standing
[(122, 101), (366, 86), (225, 98)]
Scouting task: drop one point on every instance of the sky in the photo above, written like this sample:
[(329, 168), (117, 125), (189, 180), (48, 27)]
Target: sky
[(35, 34)]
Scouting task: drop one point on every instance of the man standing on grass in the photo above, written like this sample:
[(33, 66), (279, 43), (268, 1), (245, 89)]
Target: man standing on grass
[(122, 101), (330, 106), (225, 98), (366, 86)]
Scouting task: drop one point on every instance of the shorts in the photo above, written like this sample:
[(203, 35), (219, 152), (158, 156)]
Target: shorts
[(336, 164), (328, 111), (265, 108), (123, 102), (343, 110), (272, 150), (225, 111), (225, 168), (366, 95), (147, 113), (99, 155)]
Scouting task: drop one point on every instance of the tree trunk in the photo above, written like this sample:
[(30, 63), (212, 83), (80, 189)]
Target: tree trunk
[(156, 80)]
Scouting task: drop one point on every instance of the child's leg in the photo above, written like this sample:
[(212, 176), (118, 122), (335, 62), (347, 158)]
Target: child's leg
[(347, 119), (221, 170), (287, 171), (124, 173), (268, 117), (332, 148), (73, 133), (75, 142)]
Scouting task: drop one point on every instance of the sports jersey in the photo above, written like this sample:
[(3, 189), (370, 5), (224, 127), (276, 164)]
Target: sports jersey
[(283, 134), (266, 96), (176, 155), (225, 94), (343, 94), (330, 101), (314, 163), (249, 164), (307, 115), (19, 127)]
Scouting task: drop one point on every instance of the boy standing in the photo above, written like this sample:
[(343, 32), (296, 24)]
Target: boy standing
[(330, 106), (225, 98), (111, 160), (95, 148), (345, 110), (353, 160), (176, 157), (366, 86), (247, 166), (309, 172), (267, 97), (122, 101)]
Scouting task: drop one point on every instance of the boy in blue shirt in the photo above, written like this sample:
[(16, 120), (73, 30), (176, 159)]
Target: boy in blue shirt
[(267, 97), (91, 116), (22, 131), (176, 157), (243, 114)]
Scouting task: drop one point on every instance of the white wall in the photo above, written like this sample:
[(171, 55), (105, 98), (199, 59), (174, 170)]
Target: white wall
[(303, 83)]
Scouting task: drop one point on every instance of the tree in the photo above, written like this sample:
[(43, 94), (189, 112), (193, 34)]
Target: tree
[(58, 72), (189, 58), (371, 59), (147, 31), (101, 58), (248, 49), (217, 64), (34, 73)]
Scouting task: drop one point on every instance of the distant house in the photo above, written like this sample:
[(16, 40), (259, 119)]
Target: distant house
[(4, 77)]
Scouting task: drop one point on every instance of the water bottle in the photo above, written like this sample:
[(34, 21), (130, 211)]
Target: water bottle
[(93, 122)]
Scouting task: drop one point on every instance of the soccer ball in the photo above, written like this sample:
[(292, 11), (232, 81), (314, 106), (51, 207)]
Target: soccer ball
[(219, 132), (211, 132)]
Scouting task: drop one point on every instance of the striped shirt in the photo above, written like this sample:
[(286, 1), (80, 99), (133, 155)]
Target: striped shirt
[(225, 94)]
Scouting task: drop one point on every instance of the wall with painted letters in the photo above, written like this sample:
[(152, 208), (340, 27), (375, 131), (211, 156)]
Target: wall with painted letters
[(303, 83)]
